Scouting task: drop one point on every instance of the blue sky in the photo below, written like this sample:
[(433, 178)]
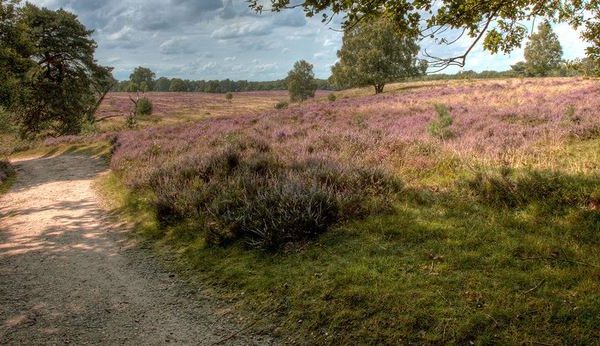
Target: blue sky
[(218, 39)]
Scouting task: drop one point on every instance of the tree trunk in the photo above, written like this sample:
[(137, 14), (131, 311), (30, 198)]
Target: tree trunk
[(379, 88)]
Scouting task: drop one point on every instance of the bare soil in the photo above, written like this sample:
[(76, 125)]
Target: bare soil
[(69, 274)]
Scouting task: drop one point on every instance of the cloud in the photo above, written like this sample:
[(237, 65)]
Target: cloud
[(177, 46), (242, 29)]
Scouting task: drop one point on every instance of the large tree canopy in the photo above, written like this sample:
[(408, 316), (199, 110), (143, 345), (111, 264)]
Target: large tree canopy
[(51, 82), (499, 23), (375, 53)]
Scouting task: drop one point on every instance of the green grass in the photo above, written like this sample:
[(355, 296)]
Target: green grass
[(7, 183), (446, 266)]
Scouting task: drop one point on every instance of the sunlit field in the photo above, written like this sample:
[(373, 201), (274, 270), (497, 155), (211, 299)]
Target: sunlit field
[(365, 219), (173, 107)]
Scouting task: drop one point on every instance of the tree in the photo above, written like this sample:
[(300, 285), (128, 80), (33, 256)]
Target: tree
[(519, 69), (301, 81), (143, 78), (543, 52), (375, 53), (162, 84), (498, 23), (51, 81), (178, 85)]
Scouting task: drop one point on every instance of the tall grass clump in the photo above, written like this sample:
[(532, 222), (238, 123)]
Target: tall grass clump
[(281, 105), (247, 193), (551, 189), (440, 127)]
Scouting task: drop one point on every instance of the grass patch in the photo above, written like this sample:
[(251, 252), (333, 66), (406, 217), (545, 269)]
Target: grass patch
[(442, 267), (7, 177)]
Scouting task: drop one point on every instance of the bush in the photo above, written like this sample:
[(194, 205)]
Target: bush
[(5, 171), (244, 193), (331, 97), (440, 127), (144, 106), (229, 96), (281, 105)]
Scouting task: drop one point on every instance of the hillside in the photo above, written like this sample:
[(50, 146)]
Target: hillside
[(373, 218)]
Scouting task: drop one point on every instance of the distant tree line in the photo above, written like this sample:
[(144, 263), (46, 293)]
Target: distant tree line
[(142, 79)]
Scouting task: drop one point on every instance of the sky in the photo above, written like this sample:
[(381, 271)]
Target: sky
[(218, 39)]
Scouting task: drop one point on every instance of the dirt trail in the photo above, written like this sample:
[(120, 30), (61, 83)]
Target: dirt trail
[(69, 274)]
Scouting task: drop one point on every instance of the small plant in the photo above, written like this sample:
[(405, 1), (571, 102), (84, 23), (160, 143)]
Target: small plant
[(229, 96), (281, 105), (571, 116), (440, 127), (331, 97), (143, 106)]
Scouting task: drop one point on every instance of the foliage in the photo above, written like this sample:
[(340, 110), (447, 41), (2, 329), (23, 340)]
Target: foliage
[(301, 81), (440, 127), (143, 106), (281, 105), (244, 192), (6, 171), (163, 84), (497, 22), (331, 97), (375, 53), (177, 85), (229, 96), (142, 79), (543, 52), (51, 82)]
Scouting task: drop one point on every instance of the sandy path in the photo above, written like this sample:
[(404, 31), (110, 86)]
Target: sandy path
[(68, 274)]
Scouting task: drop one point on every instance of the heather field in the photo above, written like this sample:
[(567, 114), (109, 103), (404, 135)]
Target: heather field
[(460, 212), (172, 107)]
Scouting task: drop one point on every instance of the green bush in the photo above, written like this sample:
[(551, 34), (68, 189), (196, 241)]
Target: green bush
[(229, 96), (5, 171), (144, 106), (331, 97), (440, 127), (281, 105), (244, 193)]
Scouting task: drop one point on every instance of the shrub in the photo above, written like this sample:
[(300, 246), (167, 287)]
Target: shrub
[(5, 171), (245, 193), (331, 97), (228, 96), (281, 105), (440, 127), (144, 106), (571, 116)]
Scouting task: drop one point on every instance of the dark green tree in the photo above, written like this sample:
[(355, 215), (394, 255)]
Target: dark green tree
[(162, 84), (301, 81), (51, 84), (375, 53), (543, 52), (143, 78), (178, 85)]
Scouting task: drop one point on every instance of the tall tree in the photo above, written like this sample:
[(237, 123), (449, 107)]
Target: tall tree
[(543, 52), (301, 81), (375, 53), (498, 23), (54, 83), (142, 79)]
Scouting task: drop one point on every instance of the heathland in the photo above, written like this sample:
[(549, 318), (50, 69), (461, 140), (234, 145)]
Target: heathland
[(439, 212)]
